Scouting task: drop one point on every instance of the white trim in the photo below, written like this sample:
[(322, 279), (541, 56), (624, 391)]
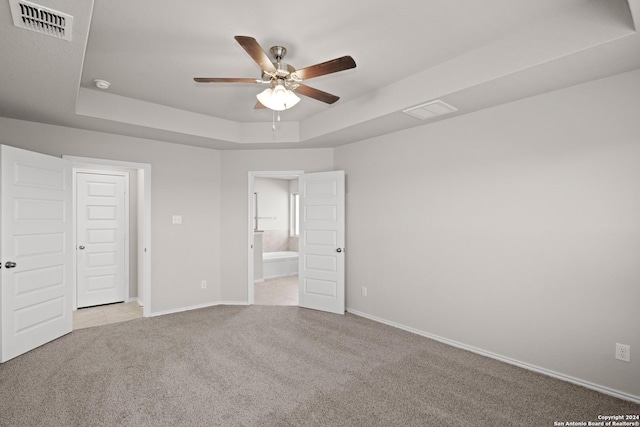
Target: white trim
[(294, 214), (243, 303), (251, 177), (75, 172), (144, 174), (557, 375), (197, 307)]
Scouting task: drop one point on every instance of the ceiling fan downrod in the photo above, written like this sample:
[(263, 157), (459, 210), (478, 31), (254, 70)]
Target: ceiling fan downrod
[(278, 52)]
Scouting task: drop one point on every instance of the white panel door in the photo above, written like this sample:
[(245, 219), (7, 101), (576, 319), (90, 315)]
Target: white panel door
[(321, 245), (100, 239), (37, 250)]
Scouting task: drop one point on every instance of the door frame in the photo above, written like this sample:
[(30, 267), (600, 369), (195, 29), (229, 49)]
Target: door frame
[(144, 224), (251, 178), (75, 172)]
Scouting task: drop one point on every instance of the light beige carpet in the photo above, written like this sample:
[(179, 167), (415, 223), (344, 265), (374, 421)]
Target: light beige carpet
[(277, 366)]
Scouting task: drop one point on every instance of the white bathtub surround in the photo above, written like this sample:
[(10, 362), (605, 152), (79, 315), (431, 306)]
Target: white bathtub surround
[(279, 264), (275, 240)]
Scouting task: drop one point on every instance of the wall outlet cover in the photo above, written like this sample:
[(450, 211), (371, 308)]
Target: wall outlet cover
[(623, 352)]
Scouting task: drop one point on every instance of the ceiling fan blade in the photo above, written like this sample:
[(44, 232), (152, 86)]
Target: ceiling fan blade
[(259, 106), (256, 52), (317, 94), (333, 66), (223, 80)]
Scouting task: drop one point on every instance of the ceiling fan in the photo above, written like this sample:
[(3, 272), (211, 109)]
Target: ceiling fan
[(282, 78)]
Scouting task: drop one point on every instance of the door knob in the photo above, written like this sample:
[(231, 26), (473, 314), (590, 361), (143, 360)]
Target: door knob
[(339, 250), (10, 264), (81, 247)]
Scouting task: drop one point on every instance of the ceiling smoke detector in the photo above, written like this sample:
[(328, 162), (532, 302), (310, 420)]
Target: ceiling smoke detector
[(40, 19), (101, 84)]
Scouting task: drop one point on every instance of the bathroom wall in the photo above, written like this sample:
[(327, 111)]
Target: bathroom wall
[(273, 213)]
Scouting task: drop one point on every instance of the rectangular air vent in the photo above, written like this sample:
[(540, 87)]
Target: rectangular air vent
[(430, 110), (31, 16)]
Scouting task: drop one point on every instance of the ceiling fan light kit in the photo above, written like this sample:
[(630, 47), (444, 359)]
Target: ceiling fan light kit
[(279, 98), (283, 78)]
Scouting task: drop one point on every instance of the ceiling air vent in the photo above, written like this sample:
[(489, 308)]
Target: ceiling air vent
[(430, 110), (34, 17)]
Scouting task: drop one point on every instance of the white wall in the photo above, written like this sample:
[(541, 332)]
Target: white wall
[(515, 230), (184, 181), (273, 203), (235, 168)]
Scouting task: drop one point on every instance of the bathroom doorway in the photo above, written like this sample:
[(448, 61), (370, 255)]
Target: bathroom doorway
[(273, 237)]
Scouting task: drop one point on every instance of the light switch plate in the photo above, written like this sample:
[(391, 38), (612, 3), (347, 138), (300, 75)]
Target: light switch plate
[(176, 219)]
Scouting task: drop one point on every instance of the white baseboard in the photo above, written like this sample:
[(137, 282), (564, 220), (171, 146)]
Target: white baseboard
[(233, 303), (587, 384), (195, 307)]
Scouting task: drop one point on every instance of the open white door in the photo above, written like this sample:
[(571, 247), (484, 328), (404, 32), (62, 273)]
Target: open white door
[(321, 245), (36, 250), (101, 238)]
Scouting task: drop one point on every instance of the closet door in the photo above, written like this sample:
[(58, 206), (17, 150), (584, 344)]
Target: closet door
[(101, 238), (36, 250)]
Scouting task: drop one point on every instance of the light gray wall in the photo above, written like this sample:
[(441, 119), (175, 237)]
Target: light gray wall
[(235, 168), (273, 203), (184, 181), (515, 230)]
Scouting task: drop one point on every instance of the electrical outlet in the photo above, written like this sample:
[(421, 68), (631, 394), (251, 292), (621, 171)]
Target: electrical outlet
[(364, 291), (623, 352), (203, 284), (176, 219)]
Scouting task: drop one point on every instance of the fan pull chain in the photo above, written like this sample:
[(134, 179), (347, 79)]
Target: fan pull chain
[(273, 120)]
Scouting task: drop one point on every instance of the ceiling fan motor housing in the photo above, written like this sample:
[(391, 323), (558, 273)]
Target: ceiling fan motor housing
[(282, 71)]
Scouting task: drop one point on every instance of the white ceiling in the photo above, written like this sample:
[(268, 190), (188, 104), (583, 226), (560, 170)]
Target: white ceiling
[(470, 54)]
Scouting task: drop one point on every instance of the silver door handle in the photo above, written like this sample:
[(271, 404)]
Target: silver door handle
[(81, 247), (10, 264)]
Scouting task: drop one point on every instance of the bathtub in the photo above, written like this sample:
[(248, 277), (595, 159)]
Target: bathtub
[(279, 264)]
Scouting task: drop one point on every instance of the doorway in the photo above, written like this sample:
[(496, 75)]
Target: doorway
[(272, 230), (139, 242)]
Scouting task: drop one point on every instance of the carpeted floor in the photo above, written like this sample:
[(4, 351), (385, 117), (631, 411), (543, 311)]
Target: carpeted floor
[(277, 366)]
